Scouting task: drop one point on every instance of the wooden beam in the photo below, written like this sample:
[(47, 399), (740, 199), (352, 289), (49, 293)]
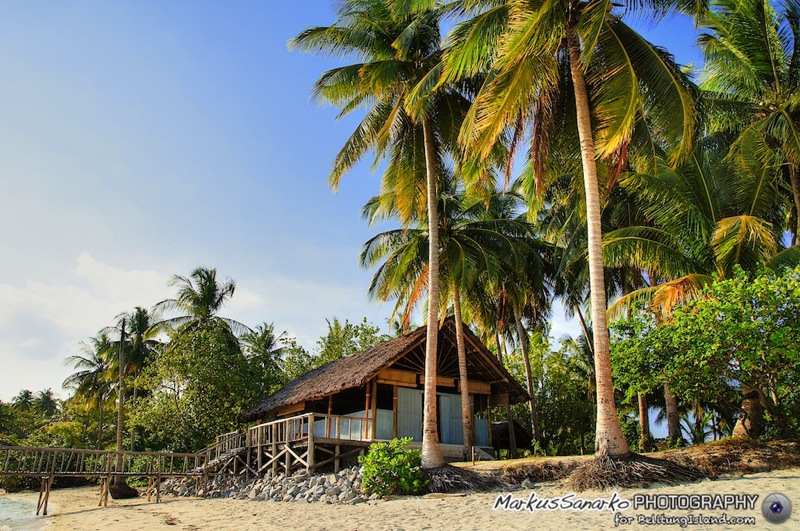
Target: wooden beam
[(294, 408), (397, 377), (500, 399), (477, 388), (441, 381)]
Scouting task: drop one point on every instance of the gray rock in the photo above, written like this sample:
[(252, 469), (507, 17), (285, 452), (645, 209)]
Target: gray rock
[(333, 491), (346, 496)]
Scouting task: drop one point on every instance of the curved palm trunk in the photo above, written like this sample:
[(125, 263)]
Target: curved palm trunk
[(585, 329), (523, 340), (431, 452), (609, 439), (466, 406)]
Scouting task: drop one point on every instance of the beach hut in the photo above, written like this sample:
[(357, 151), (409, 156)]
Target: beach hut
[(331, 414)]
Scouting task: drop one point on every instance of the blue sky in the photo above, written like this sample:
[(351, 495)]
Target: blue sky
[(143, 139)]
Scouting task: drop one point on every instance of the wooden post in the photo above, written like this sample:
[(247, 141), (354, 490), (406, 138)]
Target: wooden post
[(330, 412), (489, 421), (367, 403), (336, 459), (274, 452), (259, 443), (394, 411), (41, 497), (310, 458), (374, 414)]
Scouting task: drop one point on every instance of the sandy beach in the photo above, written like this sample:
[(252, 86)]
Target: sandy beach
[(73, 509)]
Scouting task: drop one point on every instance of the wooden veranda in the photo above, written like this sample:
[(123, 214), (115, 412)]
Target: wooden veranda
[(309, 442)]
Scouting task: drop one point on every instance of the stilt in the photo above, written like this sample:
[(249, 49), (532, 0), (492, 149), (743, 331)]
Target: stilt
[(336, 459), (42, 488), (47, 493), (105, 484), (310, 458)]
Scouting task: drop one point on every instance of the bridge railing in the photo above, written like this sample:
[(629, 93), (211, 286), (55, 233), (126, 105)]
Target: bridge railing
[(41, 462)]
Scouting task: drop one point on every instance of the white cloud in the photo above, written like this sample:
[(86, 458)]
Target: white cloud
[(41, 323)]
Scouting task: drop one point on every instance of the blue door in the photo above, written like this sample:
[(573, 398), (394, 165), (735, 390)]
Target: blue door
[(409, 413)]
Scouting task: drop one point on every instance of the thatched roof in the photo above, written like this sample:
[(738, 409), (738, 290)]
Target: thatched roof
[(355, 370)]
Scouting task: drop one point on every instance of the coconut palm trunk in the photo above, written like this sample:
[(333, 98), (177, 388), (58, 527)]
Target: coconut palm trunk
[(466, 406), (751, 421), (609, 440), (644, 423), (121, 402), (100, 423), (431, 452), (673, 418), (794, 179), (523, 340)]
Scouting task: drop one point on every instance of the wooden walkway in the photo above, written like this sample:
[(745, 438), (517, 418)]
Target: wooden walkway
[(50, 463), (308, 442)]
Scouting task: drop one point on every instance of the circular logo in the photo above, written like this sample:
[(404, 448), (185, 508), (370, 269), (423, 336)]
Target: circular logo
[(776, 508)]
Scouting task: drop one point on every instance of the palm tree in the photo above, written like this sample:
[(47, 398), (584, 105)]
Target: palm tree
[(45, 403), (92, 379), (24, 400), (263, 348), (6, 417), (474, 243), (752, 52), (200, 297), (407, 123), (140, 347), (537, 50), (704, 219)]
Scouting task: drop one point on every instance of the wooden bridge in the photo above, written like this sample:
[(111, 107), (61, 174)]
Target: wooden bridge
[(50, 463), (308, 442)]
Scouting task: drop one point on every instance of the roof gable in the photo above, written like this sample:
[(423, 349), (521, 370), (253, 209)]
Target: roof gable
[(355, 370)]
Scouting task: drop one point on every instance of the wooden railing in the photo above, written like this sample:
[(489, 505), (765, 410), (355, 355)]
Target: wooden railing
[(297, 428), (42, 462), (225, 444)]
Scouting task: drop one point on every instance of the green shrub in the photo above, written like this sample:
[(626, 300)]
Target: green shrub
[(392, 468)]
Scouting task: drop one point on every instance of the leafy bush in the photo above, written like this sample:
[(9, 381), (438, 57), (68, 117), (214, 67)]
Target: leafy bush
[(392, 468)]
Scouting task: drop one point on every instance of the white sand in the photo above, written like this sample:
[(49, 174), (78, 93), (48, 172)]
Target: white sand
[(76, 509)]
